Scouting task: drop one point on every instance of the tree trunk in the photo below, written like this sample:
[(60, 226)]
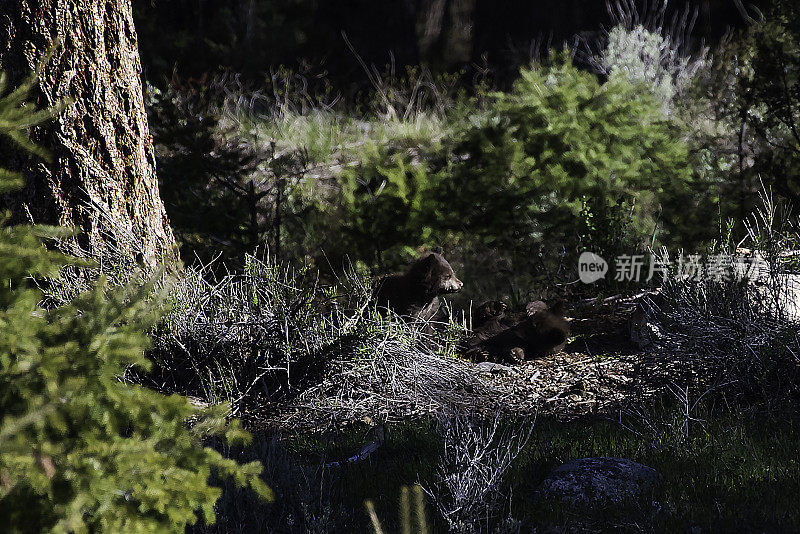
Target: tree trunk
[(102, 175), (445, 32)]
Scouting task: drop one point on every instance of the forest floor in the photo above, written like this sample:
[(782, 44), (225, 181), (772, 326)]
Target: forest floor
[(725, 469), (599, 372)]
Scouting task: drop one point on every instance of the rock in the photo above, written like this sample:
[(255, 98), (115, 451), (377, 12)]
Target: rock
[(753, 266), (593, 483), (490, 367)]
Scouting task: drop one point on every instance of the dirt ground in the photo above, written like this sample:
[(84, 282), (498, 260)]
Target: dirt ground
[(599, 372)]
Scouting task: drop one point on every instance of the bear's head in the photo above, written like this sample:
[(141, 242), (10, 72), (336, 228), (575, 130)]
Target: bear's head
[(547, 324), (435, 274)]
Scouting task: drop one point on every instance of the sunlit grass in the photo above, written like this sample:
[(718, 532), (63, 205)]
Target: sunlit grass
[(328, 137)]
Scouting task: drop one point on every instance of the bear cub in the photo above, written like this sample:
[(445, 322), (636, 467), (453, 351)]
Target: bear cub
[(416, 293), (498, 338)]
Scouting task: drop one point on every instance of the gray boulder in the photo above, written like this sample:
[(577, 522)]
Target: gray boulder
[(604, 482)]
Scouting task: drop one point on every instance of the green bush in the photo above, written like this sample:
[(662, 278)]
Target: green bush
[(382, 202), (742, 112), (770, 90), (566, 160), (81, 449)]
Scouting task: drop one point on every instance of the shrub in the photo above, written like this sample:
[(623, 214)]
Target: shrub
[(476, 456), (382, 201), (644, 49), (560, 149), (740, 115), (770, 90), (80, 448), (737, 323)]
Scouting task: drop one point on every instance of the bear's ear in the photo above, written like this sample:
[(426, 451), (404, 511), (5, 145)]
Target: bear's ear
[(428, 262), (437, 249), (422, 268)]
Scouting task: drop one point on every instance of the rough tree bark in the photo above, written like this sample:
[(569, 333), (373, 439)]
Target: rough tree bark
[(102, 175), (444, 31)]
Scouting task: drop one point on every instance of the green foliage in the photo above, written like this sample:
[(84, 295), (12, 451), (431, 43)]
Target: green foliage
[(81, 449), (740, 115), (561, 162), (561, 148), (382, 200), (721, 144), (16, 119), (770, 89)]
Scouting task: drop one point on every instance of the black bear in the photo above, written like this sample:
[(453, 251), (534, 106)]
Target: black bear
[(499, 338), (416, 293), (490, 315)]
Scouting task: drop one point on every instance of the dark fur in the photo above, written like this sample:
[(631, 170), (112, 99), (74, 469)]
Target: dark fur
[(488, 320), (501, 339), (489, 314), (416, 293)]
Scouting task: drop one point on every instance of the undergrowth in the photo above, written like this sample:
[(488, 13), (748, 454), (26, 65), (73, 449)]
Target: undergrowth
[(275, 336)]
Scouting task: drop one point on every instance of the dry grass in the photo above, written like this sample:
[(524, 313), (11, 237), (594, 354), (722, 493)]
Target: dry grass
[(286, 351), (740, 329)]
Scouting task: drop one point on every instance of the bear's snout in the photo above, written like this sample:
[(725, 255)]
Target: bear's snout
[(453, 284)]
